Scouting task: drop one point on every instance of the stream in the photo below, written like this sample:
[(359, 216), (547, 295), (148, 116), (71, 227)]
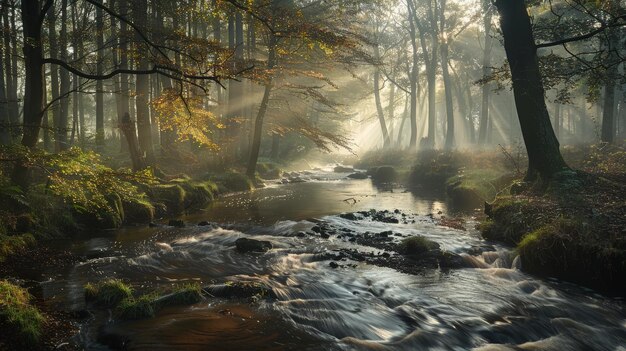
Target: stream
[(490, 305)]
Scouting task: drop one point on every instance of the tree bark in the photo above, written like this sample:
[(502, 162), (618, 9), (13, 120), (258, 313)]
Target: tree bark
[(5, 122), (65, 81), (542, 146), (54, 79), (486, 88), (447, 84), (127, 126), (379, 105), (142, 92), (413, 76), (33, 87), (99, 83), (258, 123)]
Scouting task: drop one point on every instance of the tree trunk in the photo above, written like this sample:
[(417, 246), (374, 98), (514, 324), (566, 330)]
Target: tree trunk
[(127, 126), (258, 123), (447, 84), (379, 107), (99, 83), (54, 79), (486, 88), (142, 92), (275, 146), (542, 146), (65, 81), (5, 122), (413, 77), (33, 85)]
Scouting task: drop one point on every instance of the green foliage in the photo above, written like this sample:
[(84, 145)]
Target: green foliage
[(107, 293), (23, 320), (81, 178), (416, 245), (14, 243)]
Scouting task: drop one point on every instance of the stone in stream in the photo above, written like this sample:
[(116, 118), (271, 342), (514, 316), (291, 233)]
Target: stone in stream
[(204, 224), (250, 245), (358, 175), (176, 223), (343, 169), (239, 290), (349, 216)]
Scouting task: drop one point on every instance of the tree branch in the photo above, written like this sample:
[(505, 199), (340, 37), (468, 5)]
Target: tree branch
[(604, 26)]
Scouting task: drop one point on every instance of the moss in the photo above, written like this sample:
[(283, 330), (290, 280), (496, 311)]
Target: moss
[(268, 170), (234, 181), (570, 250), (23, 320), (416, 245), (171, 195), (14, 243), (186, 294), (146, 306), (198, 194), (138, 210), (136, 308), (107, 293), (510, 219)]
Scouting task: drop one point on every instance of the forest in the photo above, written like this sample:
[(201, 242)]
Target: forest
[(313, 175)]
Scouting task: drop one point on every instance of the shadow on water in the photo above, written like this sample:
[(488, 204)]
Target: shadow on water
[(490, 305)]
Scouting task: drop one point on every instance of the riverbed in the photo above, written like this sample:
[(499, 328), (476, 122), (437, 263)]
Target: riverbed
[(351, 305)]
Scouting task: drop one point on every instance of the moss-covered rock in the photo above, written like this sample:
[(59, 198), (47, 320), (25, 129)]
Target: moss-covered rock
[(234, 181), (566, 249), (510, 218), (186, 294), (171, 195), (384, 174), (22, 321), (416, 245), (138, 210), (268, 170), (136, 308), (107, 293), (198, 194)]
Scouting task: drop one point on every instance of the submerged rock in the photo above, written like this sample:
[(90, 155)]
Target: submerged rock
[(343, 169), (179, 223), (250, 245), (239, 290), (358, 175)]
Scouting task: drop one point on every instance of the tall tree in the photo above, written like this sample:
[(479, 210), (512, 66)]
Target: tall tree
[(142, 93), (99, 83), (486, 88), (542, 146)]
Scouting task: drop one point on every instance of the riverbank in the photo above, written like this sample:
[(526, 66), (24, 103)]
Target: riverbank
[(34, 223), (572, 229)]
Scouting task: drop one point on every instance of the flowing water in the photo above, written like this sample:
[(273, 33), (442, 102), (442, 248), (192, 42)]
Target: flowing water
[(490, 306)]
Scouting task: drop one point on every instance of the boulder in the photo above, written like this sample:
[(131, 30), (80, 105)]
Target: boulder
[(250, 245)]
